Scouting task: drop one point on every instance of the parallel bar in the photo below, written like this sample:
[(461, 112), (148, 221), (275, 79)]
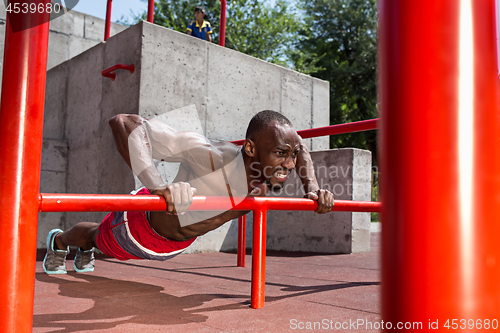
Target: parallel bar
[(440, 162), (151, 10), (242, 240), (62, 202), (107, 25), (21, 121), (357, 126), (222, 31), (259, 258)]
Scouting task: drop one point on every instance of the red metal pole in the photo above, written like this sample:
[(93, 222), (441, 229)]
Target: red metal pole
[(242, 240), (222, 31), (21, 122), (62, 202), (259, 258), (357, 126), (151, 10), (107, 26), (440, 162)]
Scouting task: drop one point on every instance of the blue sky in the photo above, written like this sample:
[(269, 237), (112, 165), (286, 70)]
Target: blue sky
[(120, 7)]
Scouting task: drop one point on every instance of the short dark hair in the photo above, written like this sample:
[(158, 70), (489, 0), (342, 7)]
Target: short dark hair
[(200, 8), (263, 119)]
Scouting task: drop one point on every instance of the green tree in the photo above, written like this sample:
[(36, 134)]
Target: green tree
[(340, 37), (253, 27)]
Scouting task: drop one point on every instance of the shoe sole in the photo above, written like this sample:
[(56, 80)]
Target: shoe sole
[(85, 270), (48, 244)]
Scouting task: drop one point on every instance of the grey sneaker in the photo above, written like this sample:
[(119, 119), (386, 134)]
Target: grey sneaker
[(55, 260), (84, 260)]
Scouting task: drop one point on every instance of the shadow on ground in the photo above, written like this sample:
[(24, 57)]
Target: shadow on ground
[(117, 302)]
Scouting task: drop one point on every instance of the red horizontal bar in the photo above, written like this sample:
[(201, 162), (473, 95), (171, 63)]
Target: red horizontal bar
[(57, 202), (357, 126), (110, 72)]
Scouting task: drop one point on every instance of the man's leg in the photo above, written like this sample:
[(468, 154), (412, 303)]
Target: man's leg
[(81, 235)]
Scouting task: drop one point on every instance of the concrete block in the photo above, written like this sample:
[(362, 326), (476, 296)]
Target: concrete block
[(361, 222), (54, 155), (53, 181), (173, 72), (77, 45), (83, 122), (236, 92), (58, 49), (362, 177), (55, 102), (296, 100), (78, 24), (83, 170), (61, 23), (93, 28), (115, 29), (360, 240), (83, 177), (320, 112), (296, 96), (118, 96)]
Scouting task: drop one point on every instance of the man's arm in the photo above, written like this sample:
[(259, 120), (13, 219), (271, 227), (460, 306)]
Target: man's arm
[(305, 170), (138, 141)]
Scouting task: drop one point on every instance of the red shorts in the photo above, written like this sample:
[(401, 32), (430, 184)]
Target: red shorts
[(128, 235)]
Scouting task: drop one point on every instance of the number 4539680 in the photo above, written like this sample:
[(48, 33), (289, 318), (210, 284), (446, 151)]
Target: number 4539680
[(462, 324), (33, 8)]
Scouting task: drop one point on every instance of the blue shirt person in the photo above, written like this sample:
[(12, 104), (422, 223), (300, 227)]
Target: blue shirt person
[(199, 27)]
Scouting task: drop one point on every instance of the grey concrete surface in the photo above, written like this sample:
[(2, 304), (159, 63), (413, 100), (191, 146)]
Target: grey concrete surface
[(225, 89)]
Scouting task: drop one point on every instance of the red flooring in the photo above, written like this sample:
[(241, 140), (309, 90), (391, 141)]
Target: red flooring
[(208, 293)]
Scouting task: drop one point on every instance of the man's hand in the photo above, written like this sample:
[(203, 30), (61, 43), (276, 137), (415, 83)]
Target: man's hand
[(324, 198), (178, 197)]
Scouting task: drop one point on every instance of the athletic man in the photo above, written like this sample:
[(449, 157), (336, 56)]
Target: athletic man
[(271, 151)]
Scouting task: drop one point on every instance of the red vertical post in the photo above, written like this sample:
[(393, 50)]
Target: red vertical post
[(440, 161), (222, 30), (107, 25), (259, 258), (242, 240), (21, 125), (151, 10)]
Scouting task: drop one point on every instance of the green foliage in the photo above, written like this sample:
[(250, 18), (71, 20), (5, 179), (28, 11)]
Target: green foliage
[(253, 27), (341, 40)]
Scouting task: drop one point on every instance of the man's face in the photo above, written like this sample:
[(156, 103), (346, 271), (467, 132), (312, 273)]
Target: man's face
[(278, 149)]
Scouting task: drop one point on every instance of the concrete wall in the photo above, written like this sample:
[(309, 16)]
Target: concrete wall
[(173, 70), (69, 35)]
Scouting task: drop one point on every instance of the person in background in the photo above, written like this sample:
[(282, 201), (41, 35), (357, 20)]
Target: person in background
[(199, 27)]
